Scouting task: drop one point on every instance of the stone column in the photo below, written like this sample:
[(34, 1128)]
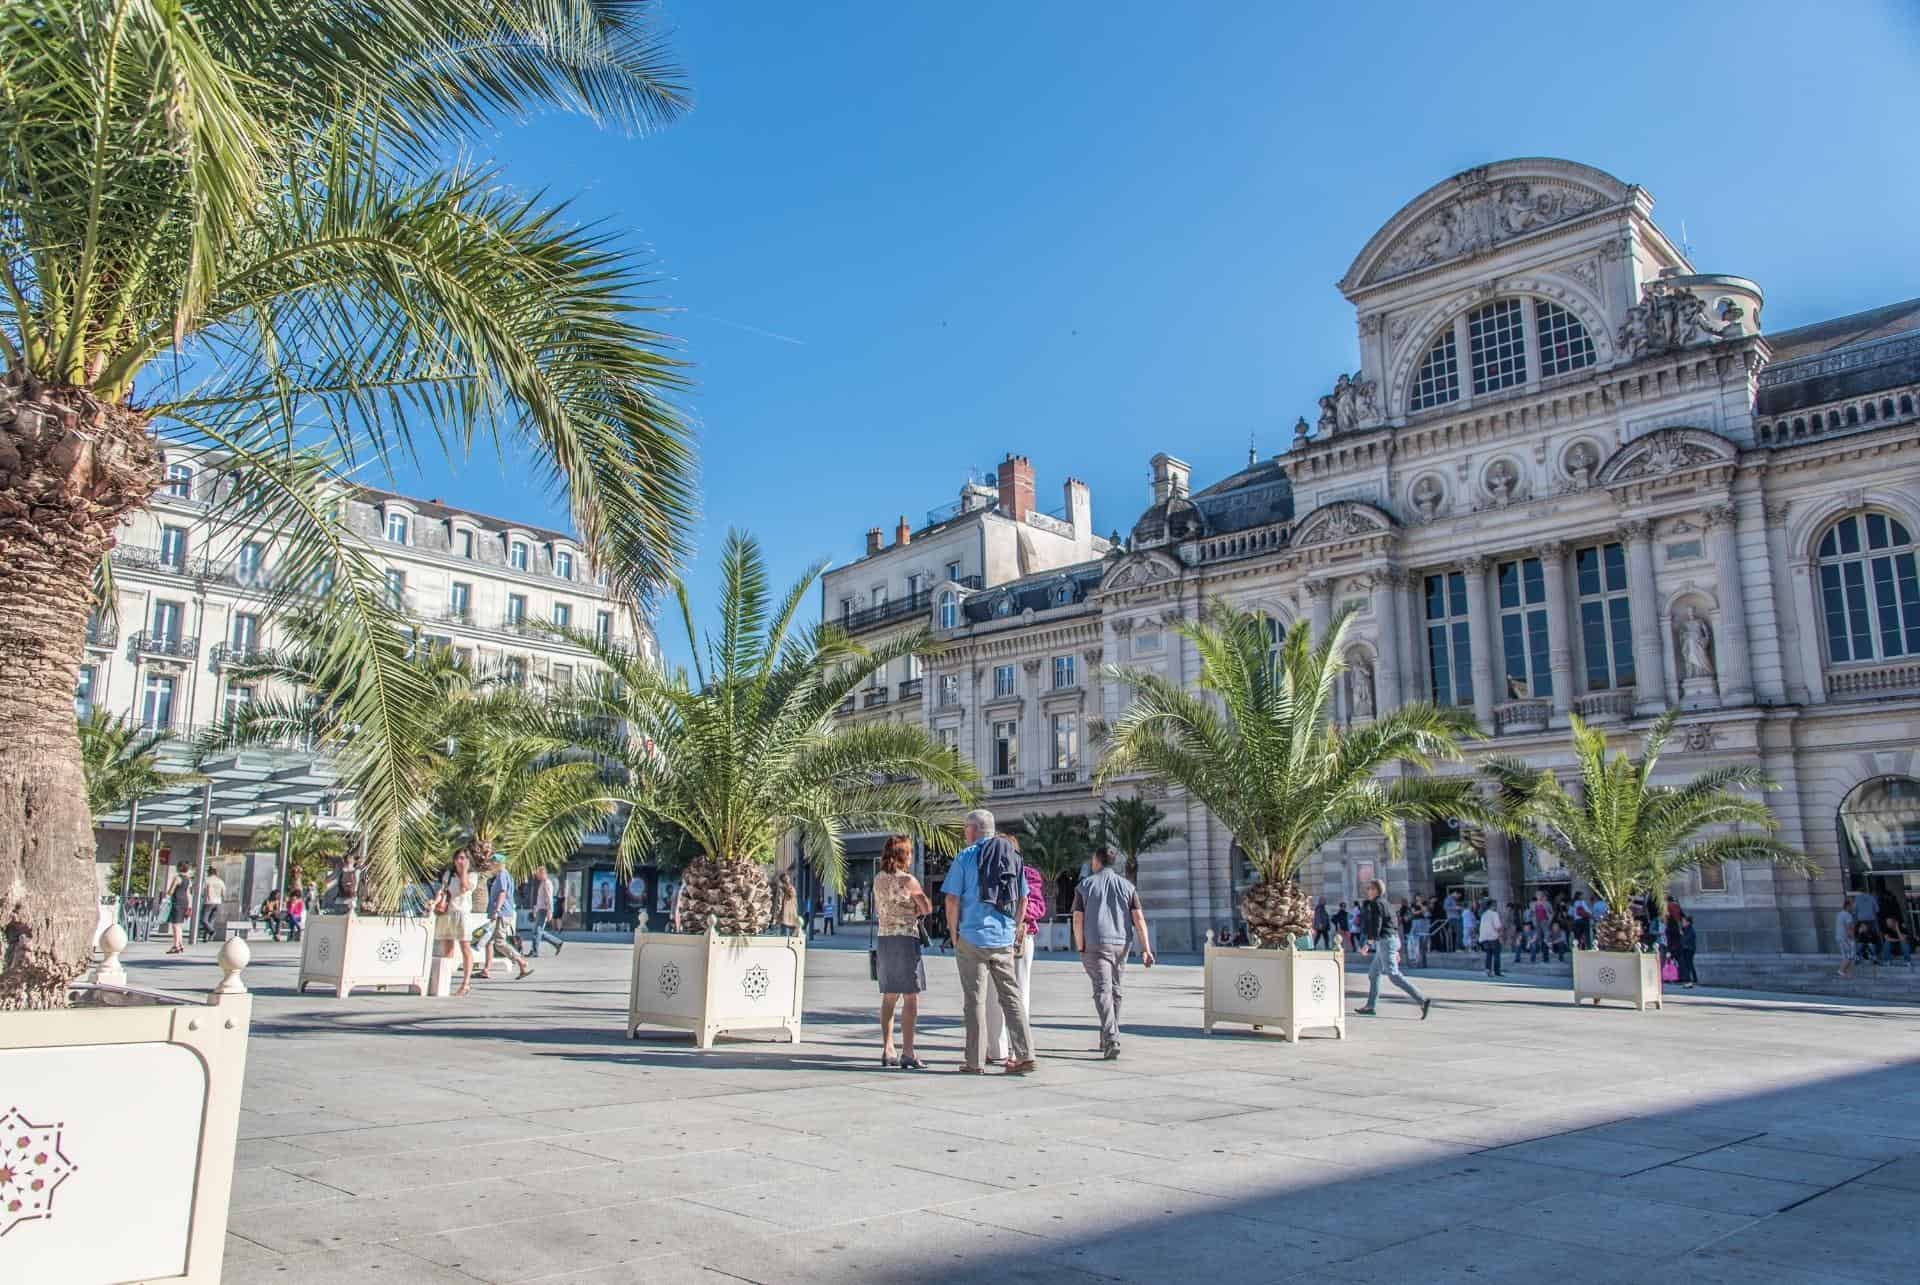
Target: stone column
[(1731, 654), (1480, 638), (1649, 649), (1553, 562), (1319, 607), (1413, 674), (1386, 625)]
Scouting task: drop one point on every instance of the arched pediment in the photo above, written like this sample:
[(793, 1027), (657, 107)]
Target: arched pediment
[(1139, 570), (1664, 452), (1340, 521), (1479, 209)]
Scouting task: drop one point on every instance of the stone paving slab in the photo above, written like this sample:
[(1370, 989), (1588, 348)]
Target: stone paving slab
[(516, 1135)]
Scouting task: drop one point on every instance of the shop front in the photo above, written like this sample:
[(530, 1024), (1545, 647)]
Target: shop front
[(1880, 835)]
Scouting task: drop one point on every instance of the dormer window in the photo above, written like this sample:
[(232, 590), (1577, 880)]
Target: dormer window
[(563, 565), (949, 610), (396, 528), (180, 481), (517, 555), (463, 543), (1506, 342)]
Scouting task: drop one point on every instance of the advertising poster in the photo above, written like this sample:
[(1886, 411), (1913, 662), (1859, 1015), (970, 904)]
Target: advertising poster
[(605, 896)]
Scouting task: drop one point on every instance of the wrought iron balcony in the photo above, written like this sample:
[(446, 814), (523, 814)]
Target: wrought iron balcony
[(844, 708), (884, 613), (148, 643), (224, 654), (874, 696), (102, 633), (911, 688)]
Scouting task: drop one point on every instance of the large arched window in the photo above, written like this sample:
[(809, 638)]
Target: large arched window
[(1507, 343), (1869, 592)]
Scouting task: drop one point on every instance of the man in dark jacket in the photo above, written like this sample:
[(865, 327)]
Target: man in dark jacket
[(1383, 941)]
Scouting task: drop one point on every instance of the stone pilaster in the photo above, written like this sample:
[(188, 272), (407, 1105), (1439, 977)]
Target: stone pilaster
[(1480, 637), (1553, 564), (1649, 648), (1730, 653)]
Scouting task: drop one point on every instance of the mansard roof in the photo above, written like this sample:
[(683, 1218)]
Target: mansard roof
[(1041, 592), (1843, 357)]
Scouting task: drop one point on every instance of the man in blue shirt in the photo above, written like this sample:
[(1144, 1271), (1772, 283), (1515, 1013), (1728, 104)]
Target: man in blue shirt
[(986, 941), (502, 911)]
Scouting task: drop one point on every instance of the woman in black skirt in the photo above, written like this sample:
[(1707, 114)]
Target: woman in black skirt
[(898, 903), (179, 907)]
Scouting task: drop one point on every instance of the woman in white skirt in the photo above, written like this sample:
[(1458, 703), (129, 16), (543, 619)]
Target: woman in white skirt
[(997, 1050), (456, 919)]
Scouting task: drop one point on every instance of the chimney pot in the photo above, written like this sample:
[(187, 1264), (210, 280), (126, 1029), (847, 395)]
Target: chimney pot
[(873, 539), (1016, 487)]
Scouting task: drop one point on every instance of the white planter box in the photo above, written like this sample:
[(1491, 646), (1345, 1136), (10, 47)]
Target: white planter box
[(1629, 975), (348, 951), (1290, 990), (706, 983), (119, 1126)]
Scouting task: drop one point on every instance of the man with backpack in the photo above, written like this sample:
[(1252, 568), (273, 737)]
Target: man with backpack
[(986, 895)]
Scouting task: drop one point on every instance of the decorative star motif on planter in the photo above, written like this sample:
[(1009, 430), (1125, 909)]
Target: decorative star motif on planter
[(32, 1167), (323, 949), (389, 951), (670, 979), (757, 982), (1607, 975), (1247, 986), (1319, 990)]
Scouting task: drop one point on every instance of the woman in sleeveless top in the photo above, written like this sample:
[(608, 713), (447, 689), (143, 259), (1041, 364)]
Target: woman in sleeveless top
[(455, 918), (898, 903), (179, 908)]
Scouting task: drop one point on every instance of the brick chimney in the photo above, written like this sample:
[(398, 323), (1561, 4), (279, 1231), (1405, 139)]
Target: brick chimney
[(873, 540), (903, 534), (1016, 487)]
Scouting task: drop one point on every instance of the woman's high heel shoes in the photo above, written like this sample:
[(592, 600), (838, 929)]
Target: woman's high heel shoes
[(886, 1059), (912, 1063)]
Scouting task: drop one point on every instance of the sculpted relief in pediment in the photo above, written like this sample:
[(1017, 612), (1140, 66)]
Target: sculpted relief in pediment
[(1482, 218)]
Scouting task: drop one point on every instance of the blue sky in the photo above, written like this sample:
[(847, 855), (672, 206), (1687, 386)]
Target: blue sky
[(901, 240)]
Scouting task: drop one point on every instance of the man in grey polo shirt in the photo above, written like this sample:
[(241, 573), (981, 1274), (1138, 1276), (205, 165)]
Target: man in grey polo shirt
[(1106, 914)]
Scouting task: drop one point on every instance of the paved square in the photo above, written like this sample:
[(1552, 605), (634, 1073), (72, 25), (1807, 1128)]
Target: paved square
[(516, 1135)]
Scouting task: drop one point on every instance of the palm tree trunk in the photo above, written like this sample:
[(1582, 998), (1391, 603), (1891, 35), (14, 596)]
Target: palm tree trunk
[(1618, 931), (1277, 912), (69, 469), (734, 894)]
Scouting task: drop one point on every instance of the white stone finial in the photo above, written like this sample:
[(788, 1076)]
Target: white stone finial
[(108, 971), (234, 956)]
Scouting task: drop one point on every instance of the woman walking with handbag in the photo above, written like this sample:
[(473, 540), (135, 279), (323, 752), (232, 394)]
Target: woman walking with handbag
[(455, 920), (898, 903)]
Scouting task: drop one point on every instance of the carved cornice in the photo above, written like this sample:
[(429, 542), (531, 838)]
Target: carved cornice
[(1720, 515), (1637, 529)]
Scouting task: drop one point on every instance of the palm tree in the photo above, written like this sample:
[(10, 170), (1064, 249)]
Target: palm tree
[(745, 752), (233, 225), (1256, 745), (507, 778), (1133, 825), (1626, 835), (310, 847), (1056, 843), (121, 762)]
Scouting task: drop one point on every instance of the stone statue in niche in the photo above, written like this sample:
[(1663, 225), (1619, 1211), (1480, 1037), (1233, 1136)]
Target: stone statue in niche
[(1349, 404), (1581, 462), (1502, 478), (1427, 497), (1360, 694), (1696, 648)]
